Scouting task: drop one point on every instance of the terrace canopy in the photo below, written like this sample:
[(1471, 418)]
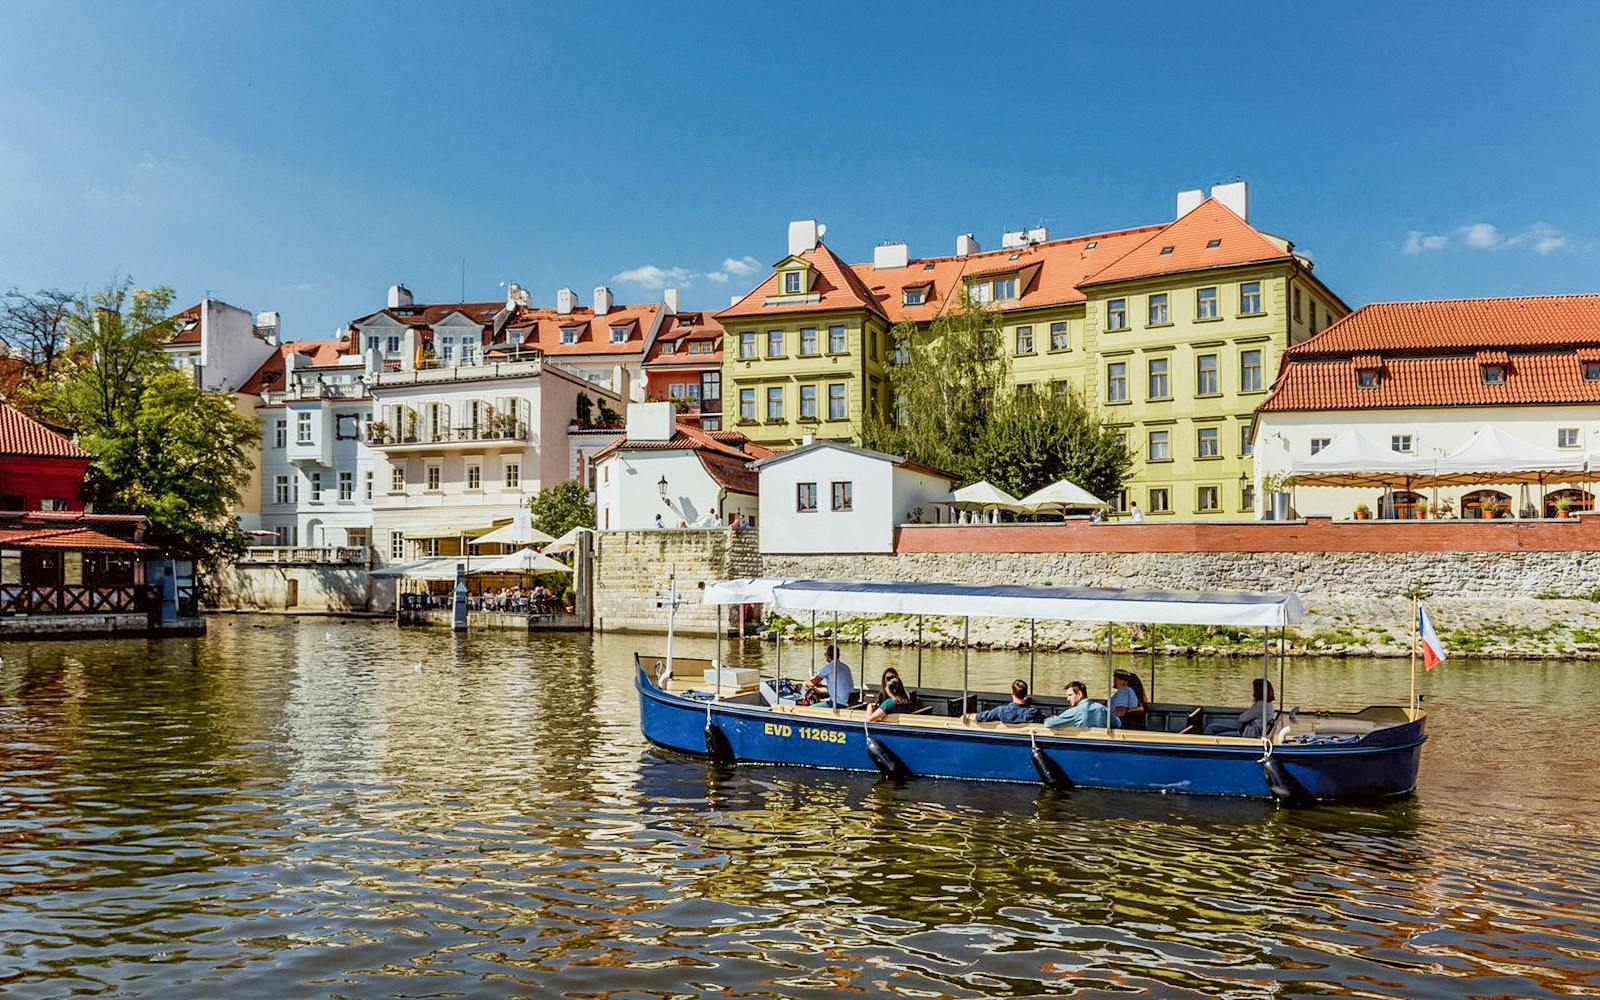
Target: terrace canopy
[(525, 561), (983, 497), (519, 532), (1356, 460), (1493, 456)]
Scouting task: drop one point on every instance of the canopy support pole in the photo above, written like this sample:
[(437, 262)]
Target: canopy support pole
[(919, 651), (1032, 651), (1111, 683), (966, 659), (1283, 660), (1150, 638), (1266, 682), (722, 609), (1416, 622), (813, 646)]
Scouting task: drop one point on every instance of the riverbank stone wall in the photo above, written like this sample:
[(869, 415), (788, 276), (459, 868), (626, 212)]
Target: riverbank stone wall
[(632, 567)]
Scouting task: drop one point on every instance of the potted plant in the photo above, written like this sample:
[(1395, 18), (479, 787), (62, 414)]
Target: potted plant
[(1276, 485), (1445, 508), (1422, 510), (1363, 512), (1562, 505), (378, 432)]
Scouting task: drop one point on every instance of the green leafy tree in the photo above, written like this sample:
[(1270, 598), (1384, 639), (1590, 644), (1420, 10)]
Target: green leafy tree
[(1034, 439), (161, 446), (562, 507)]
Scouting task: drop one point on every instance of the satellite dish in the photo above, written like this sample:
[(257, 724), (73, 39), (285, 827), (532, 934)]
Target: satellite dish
[(822, 230)]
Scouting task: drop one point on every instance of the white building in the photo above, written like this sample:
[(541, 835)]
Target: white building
[(1422, 379), (827, 496), (220, 345), (674, 471)]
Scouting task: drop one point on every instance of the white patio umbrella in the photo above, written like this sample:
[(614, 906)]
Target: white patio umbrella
[(523, 561), (983, 496), (1064, 494), (568, 540), (519, 532)]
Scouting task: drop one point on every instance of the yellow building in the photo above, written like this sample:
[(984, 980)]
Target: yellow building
[(1176, 330)]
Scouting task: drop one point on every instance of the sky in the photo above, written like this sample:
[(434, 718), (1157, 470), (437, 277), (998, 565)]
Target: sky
[(303, 157)]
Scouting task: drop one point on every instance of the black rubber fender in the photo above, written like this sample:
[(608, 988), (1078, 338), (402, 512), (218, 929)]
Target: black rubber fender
[(717, 746), (1050, 773), (1280, 782), (891, 766)]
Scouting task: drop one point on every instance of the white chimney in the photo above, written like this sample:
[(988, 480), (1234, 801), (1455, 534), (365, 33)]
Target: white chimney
[(566, 301), (1235, 196), (734, 300), (602, 300), (652, 422), (408, 350), (1188, 201), (807, 438), (1024, 238), (399, 295), (518, 297), (803, 236), (886, 256), (967, 245), (669, 298)]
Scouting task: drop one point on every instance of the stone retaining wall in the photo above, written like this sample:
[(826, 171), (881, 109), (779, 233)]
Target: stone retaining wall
[(319, 587), (631, 567)]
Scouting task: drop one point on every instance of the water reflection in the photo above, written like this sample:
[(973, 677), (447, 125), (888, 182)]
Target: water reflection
[(340, 808)]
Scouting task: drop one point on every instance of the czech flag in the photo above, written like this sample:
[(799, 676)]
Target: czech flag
[(1433, 652)]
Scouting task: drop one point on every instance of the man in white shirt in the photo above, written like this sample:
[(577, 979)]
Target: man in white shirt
[(834, 685)]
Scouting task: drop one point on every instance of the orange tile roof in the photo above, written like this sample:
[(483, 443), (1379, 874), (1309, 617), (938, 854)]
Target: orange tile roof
[(678, 334), (1184, 245), (837, 286), (727, 444), (78, 539), (1433, 353), (187, 325), (24, 437), (532, 328), (270, 374)]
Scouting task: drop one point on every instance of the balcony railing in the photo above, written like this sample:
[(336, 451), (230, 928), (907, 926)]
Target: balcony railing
[(326, 390), (449, 435), (521, 363), (283, 554), (25, 600)]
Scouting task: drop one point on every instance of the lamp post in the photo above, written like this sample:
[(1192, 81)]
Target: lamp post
[(1244, 484), (662, 486)]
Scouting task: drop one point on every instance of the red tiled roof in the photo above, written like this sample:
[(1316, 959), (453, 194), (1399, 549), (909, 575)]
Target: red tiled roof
[(1188, 239), (728, 444), (187, 324), (731, 474), (531, 328), (270, 374), (79, 539), (23, 436), (1549, 378), (837, 287), (1463, 325)]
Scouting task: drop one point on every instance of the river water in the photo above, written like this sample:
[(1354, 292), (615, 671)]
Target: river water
[(298, 808)]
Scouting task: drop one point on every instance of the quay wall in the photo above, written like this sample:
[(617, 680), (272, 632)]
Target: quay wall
[(630, 567), (294, 587)]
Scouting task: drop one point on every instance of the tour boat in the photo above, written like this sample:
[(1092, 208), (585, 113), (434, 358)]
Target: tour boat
[(734, 716)]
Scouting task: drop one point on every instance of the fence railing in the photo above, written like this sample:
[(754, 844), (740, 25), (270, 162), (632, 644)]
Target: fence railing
[(305, 554), (68, 600)]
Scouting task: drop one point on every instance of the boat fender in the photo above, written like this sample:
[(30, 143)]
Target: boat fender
[(1050, 773), (717, 746), (890, 765), (1279, 782)]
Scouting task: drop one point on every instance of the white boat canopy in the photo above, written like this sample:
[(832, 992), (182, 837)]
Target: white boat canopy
[(1089, 604)]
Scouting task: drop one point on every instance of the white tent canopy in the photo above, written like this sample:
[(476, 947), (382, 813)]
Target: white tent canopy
[(568, 540), (519, 532), (1492, 453), (432, 568), (1063, 494), (1092, 604), (525, 561), (1354, 459), (982, 495)]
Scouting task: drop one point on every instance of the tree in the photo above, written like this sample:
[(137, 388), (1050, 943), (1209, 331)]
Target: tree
[(34, 327), (1035, 439), (161, 446), (561, 508)]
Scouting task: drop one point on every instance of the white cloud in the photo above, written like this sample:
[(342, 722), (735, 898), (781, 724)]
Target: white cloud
[(1417, 241), (718, 277), (743, 266), (651, 276), (1546, 239), (1541, 238), (1481, 236)]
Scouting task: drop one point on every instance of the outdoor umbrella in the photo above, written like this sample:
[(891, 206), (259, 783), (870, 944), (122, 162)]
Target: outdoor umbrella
[(983, 496), (568, 540), (519, 532), (524, 561), (1064, 494)]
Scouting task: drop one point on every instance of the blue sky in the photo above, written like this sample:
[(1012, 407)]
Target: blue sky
[(304, 156)]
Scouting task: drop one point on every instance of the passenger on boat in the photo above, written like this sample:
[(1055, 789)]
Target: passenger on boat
[(896, 699), (1128, 701), (1080, 711), (1253, 720), (1018, 709), (834, 686)]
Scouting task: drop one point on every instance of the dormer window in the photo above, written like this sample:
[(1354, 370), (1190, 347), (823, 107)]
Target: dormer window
[(1213, 244), (793, 283), (619, 335), (915, 296), (1591, 371), (569, 335), (1493, 374), (1369, 378)]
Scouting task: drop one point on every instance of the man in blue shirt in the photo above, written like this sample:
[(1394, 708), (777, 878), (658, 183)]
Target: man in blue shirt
[(1018, 709), (1080, 711), (834, 686)]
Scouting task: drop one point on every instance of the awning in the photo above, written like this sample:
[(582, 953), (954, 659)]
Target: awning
[(1354, 459), (433, 568), (983, 495), (1493, 456), (1092, 604), (471, 531), (525, 561)]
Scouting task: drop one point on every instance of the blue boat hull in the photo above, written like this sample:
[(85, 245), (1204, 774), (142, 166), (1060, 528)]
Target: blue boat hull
[(1378, 765)]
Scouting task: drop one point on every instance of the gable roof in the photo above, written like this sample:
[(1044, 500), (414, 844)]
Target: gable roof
[(688, 437), (1461, 324), (187, 325), (24, 437), (1186, 243), (318, 352), (897, 460), (836, 287)]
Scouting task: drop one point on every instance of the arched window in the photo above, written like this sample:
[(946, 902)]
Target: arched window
[(1576, 500), (1405, 504), (1486, 503)]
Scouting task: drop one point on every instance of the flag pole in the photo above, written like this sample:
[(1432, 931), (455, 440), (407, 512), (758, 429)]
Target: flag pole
[(1415, 619)]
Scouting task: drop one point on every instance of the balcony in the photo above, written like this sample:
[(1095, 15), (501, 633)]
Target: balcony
[(501, 432), (522, 363), (284, 555), (317, 390)]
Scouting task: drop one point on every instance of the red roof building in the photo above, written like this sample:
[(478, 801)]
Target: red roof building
[(684, 367), (667, 472), (39, 468)]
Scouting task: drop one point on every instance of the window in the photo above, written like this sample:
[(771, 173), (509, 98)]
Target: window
[(1117, 314), (1005, 289), (805, 498), (836, 407), (843, 496), (369, 485), (1160, 446), (280, 489), (1367, 378), (397, 479), (791, 283), (1250, 298), (434, 473), (347, 427), (1247, 441), (280, 436), (1158, 309), (711, 386), (347, 486), (1205, 303), (619, 335), (397, 545), (1591, 371), (836, 340), (1249, 371), (445, 351), (392, 346), (513, 476), (1060, 337), (1117, 382), (1400, 443), (1207, 444), (747, 344), (774, 403), (1247, 497), (1060, 387), (302, 428), (1205, 375), (1317, 444), (430, 547), (1024, 340), (316, 487), (569, 335), (1207, 498), (747, 404), (1159, 388), (474, 476), (1160, 500), (915, 296), (872, 344), (1567, 437), (808, 402), (808, 340), (372, 342), (1494, 374), (1297, 303), (774, 343)]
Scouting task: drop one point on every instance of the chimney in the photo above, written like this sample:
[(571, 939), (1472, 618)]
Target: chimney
[(669, 298), (517, 297), (399, 295), (408, 350), (602, 300), (266, 327), (652, 422), (734, 300), (967, 245), (807, 438), (1188, 201), (803, 236), (887, 256), (566, 301), (1235, 196), (1023, 238)]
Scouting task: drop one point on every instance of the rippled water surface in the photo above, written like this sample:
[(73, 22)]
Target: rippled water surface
[(334, 808)]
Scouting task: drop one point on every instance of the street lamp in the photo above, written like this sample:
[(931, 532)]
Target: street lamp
[(662, 486)]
